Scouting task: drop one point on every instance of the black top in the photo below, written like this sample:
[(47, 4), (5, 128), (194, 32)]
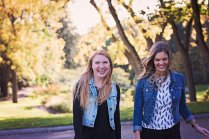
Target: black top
[(102, 128)]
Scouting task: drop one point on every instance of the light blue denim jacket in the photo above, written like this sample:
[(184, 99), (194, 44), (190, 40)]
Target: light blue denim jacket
[(145, 98), (90, 112)]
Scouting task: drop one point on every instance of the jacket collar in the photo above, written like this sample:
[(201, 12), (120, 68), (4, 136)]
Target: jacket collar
[(91, 82), (172, 74)]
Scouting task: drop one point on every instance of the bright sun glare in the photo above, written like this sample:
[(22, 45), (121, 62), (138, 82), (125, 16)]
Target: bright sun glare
[(84, 15)]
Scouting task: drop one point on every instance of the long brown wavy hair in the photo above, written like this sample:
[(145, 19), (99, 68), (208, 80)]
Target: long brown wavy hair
[(81, 88), (148, 62)]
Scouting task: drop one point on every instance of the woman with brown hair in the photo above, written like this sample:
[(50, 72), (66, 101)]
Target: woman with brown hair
[(159, 99), (96, 101)]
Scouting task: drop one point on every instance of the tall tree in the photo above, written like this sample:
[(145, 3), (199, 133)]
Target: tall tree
[(201, 43), (175, 16), (67, 32), (183, 48), (124, 38), (140, 26), (28, 38), (198, 27), (114, 38)]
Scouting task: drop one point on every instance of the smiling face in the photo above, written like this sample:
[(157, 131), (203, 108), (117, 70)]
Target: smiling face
[(101, 66), (161, 62)]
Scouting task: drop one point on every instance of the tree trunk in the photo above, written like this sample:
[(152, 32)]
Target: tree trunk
[(124, 38), (131, 61), (4, 87), (14, 87), (127, 53), (198, 27), (187, 65), (189, 77), (4, 79), (205, 71), (137, 20)]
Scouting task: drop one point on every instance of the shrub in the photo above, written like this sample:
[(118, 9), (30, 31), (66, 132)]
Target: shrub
[(60, 104), (206, 96), (50, 90), (63, 107)]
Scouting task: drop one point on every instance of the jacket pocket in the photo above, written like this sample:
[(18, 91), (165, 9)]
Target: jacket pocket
[(178, 89), (147, 92), (112, 102)]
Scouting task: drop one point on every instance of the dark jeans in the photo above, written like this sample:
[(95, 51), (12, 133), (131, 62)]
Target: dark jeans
[(171, 133)]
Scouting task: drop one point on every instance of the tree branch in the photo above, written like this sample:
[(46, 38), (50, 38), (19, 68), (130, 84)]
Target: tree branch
[(188, 34), (123, 36)]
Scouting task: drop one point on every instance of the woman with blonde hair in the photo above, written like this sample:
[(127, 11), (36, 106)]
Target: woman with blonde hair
[(96, 101), (159, 98)]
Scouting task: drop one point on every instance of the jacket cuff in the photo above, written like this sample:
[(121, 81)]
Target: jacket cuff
[(188, 119), (136, 128)]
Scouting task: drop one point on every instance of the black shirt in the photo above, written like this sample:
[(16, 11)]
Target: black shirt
[(102, 128)]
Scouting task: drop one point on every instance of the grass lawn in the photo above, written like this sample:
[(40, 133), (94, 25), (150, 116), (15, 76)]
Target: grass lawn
[(201, 89), (27, 113)]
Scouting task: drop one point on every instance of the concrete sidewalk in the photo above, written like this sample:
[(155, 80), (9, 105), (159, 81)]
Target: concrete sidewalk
[(65, 128)]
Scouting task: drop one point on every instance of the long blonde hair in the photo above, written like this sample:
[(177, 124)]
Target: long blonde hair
[(148, 62), (81, 89)]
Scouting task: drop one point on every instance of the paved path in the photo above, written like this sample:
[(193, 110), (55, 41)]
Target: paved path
[(186, 131)]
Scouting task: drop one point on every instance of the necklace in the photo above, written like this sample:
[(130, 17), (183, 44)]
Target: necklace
[(156, 80)]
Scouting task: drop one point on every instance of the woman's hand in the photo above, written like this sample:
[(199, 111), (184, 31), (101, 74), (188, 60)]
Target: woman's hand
[(137, 135), (201, 130)]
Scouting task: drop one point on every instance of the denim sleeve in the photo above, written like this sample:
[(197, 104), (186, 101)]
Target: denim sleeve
[(184, 111), (138, 106)]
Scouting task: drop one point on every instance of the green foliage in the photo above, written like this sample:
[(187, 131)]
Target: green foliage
[(47, 91), (206, 95), (128, 94), (178, 11), (42, 80), (70, 37), (29, 41), (54, 98), (88, 43), (121, 77), (126, 113)]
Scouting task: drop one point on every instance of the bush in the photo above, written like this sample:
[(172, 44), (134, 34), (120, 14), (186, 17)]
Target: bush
[(42, 80), (50, 90), (206, 96), (59, 104), (63, 107)]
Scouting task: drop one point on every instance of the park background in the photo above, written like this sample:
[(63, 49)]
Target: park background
[(45, 46)]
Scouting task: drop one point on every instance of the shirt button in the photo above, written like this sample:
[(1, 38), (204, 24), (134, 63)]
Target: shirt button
[(171, 89)]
